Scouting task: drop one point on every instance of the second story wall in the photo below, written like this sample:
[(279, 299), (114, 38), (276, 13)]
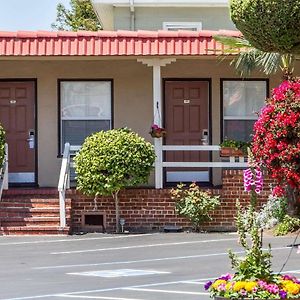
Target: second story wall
[(152, 18)]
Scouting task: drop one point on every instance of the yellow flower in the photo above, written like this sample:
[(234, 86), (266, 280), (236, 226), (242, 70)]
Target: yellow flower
[(238, 285), (249, 286), (217, 283), (292, 288), (228, 286)]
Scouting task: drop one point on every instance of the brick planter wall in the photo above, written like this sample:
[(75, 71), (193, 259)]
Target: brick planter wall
[(151, 209)]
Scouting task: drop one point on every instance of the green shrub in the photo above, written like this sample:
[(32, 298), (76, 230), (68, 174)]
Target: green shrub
[(194, 204), (2, 144), (111, 160), (269, 25), (289, 224)]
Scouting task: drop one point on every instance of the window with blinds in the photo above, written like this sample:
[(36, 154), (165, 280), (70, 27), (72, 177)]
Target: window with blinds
[(242, 101), (85, 108)]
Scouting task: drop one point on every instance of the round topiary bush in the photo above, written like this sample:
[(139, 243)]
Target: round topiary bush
[(269, 25), (2, 144), (111, 160)]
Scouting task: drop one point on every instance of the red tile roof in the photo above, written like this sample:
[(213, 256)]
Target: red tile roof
[(111, 43)]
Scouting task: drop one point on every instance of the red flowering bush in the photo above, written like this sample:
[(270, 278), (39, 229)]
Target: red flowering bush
[(276, 142)]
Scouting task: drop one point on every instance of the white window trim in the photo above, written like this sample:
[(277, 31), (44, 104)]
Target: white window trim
[(182, 25)]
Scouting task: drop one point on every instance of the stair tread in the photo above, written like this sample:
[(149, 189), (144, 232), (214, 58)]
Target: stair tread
[(33, 227)]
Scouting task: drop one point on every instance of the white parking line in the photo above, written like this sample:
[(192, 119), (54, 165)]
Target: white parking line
[(135, 261), (119, 273), (165, 291), (293, 271), (76, 240), (96, 297), (143, 246), (107, 289), (194, 282)]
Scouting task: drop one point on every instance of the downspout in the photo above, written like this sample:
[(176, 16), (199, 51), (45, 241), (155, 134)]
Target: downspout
[(132, 15)]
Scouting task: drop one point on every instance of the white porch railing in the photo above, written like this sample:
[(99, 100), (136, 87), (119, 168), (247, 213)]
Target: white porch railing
[(64, 180), (66, 165), (160, 164), (4, 172)]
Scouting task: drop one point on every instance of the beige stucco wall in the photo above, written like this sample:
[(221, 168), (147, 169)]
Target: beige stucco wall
[(152, 18), (132, 95)]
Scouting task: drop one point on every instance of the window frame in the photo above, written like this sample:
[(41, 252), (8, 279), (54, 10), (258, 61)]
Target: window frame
[(222, 117), (182, 25), (59, 103)]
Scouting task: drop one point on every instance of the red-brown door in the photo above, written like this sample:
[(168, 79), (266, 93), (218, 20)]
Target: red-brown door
[(17, 111), (187, 123)]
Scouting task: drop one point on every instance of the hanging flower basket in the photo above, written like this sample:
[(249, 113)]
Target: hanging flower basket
[(157, 132)]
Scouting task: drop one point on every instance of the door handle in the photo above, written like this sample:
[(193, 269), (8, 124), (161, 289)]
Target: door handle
[(205, 140), (31, 139)]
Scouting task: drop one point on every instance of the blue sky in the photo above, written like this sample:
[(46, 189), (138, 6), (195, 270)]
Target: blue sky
[(28, 14)]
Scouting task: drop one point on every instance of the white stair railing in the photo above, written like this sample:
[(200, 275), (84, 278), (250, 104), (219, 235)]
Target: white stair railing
[(4, 172), (64, 184)]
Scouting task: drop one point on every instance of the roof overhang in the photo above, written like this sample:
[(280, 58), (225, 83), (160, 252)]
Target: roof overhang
[(162, 3), (111, 43), (104, 8)]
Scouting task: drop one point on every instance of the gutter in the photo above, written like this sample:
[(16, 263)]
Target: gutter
[(132, 15)]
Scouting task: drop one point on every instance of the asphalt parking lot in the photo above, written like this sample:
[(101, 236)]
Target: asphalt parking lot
[(122, 267)]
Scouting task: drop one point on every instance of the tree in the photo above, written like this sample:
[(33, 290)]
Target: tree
[(112, 160), (81, 16), (269, 25), (247, 58)]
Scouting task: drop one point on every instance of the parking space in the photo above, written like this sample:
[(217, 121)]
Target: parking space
[(122, 267)]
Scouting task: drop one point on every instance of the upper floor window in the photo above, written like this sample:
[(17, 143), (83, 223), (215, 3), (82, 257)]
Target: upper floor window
[(85, 108), (173, 26), (242, 100)]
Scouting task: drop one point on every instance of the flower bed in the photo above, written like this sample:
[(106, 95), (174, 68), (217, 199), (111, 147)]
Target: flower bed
[(278, 287)]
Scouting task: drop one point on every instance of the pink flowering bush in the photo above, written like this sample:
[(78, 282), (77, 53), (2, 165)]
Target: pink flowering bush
[(276, 142)]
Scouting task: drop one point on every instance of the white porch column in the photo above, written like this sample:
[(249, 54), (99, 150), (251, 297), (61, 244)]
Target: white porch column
[(157, 63)]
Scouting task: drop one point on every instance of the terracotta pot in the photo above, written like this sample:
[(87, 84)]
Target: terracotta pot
[(228, 151), (157, 134)]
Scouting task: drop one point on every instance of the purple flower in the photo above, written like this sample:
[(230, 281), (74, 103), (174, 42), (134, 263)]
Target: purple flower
[(252, 182), (207, 285), (226, 277), (282, 294)]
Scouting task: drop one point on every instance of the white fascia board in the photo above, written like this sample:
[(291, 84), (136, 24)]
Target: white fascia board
[(165, 3)]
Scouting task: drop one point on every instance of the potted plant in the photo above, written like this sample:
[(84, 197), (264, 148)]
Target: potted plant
[(233, 148), (157, 131), (253, 277)]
